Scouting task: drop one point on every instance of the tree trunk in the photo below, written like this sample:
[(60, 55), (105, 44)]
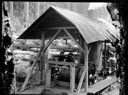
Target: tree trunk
[(123, 55)]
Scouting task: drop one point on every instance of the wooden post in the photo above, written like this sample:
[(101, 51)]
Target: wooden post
[(72, 77), (48, 75), (47, 70), (85, 72), (105, 53), (86, 66), (42, 61)]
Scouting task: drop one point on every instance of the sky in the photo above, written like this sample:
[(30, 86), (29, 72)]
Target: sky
[(96, 5)]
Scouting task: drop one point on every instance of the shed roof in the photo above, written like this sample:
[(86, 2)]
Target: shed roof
[(55, 17)]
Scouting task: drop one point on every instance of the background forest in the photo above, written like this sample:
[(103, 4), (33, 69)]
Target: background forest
[(23, 14)]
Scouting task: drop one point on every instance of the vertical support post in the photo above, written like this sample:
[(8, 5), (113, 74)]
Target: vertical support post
[(48, 75), (72, 78), (105, 52), (42, 61), (86, 67), (85, 71)]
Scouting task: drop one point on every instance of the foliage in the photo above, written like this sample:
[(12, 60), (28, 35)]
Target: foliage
[(6, 66), (122, 17), (33, 10)]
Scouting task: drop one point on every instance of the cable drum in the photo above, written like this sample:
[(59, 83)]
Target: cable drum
[(64, 75)]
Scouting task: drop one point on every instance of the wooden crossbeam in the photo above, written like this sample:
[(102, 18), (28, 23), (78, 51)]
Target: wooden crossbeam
[(51, 40), (81, 81), (48, 75), (39, 54), (60, 63), (54, 28), (28, 76), (74, 40)]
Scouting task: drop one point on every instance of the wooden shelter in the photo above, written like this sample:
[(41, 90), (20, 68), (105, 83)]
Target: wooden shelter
[(80, 29)]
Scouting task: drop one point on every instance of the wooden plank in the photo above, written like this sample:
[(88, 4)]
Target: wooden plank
[(74, 40), (62, 83), (54, 28), (101, 85), (60, 63), (72, 78)]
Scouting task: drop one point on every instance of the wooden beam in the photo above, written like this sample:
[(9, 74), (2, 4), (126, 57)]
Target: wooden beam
[(51, 40), (86, 67), (54, 28), (74, 40), (48, 75), (105, 52), (85, 71), (29, 73), (14, 80), (97, 87), (42, 49), (42, 63), (72, 78), (60, 63), (81, 81)]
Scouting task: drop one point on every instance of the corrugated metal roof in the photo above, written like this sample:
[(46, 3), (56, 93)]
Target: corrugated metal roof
[(109, 27), (58, 17)]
